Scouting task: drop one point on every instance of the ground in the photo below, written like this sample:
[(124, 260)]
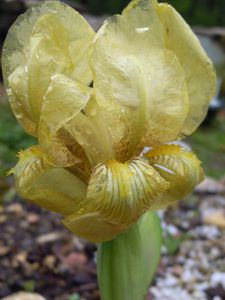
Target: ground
[(38, 254)]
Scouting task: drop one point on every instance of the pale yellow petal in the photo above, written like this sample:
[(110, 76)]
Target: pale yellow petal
[(78, 51), (90, 132), (17, 40), (45, 60), (72, 43), (53, 188), (92, 227), (69, 153), (42, 41), (18, 98), (167, 97), (119, 128), (63, 101), (116, 197), (179, 167), (144, 24), (199, 71), (142, 87), (118, 80)]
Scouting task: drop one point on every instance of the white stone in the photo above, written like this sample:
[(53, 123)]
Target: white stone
[(218, 278), (217, 298), (172, 229), (187, 276), (24, 296)]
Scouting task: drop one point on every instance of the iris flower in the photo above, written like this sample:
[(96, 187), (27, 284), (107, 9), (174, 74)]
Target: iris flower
[(94, 101)]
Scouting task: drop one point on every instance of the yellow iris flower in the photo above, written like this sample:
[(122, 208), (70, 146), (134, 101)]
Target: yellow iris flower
[(94, 101)]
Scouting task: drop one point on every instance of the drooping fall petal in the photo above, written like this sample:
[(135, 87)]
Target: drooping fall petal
[(33, 52), (119, 193), (116, 197), (52, 188), (180, 167)]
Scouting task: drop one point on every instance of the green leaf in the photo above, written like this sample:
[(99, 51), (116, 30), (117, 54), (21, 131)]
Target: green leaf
[(172, 243), (127, 264), (29, 285), (74, 296)]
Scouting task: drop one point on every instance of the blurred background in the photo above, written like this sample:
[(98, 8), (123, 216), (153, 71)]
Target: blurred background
[(38, 255)]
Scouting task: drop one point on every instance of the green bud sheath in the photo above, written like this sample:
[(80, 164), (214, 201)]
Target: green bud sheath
[(126, 265)]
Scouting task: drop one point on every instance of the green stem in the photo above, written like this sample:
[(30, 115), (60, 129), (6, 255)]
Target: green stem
[(127, 264)]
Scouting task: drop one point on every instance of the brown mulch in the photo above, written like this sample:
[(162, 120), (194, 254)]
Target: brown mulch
[(38, 254)]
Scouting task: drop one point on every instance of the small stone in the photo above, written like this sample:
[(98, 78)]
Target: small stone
[(3, 219), (24, 224), (215, 217), (15, 208), (187, 276), (190, 263), (201, 286), (48, 238), (170, 281), (172, 229), (21, 257), (75, 261), (218, 278), (199, 295), (49, 261), (77, 243), (33, 218), (210, 186), (177, 270), (24, 296), (4, 250), (207, 231), (185, 224), (214, 253)]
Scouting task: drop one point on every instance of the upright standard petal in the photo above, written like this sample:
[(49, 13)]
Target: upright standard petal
[(33, 52), (199, 72), (53, 188), (161, 26), (117, 195), (141, 84), (179, 167)]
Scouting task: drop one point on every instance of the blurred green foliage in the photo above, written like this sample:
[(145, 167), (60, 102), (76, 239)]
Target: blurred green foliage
[(29, 286), (173, 243), (100, 7), (201, 12), (196, 12), (209, 144), (74, 296), (12, 139), (106, 6)]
